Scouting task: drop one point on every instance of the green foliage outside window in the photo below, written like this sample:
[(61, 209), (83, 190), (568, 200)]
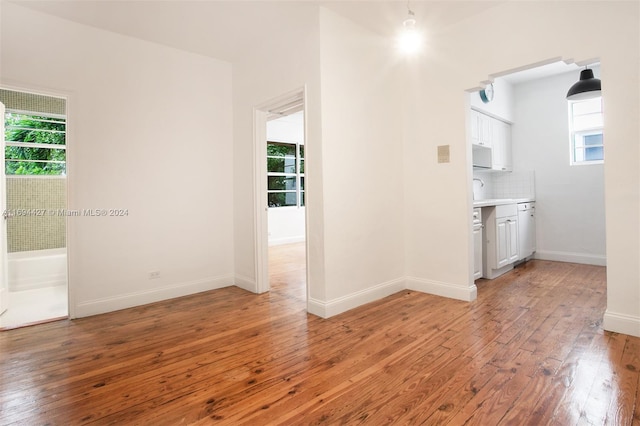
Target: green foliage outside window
[(31, 159)]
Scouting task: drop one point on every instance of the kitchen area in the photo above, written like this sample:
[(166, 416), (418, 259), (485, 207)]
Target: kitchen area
[(529, 200), (504, 227)]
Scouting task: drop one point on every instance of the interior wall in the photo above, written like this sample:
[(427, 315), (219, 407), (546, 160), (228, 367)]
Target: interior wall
[(502, 105), (142, 138), (570, 214), (363, 179), (438, 226), (287, 61)]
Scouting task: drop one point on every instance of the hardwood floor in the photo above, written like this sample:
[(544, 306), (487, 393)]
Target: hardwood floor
[(530, 350)]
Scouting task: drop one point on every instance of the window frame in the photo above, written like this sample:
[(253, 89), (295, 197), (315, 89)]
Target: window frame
[(582, 133), (299, 176), (48, 117)]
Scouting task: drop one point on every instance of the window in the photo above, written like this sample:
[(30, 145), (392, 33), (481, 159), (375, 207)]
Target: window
[(35, 143), (585, 126), (285, 174)]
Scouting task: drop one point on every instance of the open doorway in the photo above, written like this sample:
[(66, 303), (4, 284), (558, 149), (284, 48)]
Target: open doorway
[(281, 248), (553, 162), (34, 208)]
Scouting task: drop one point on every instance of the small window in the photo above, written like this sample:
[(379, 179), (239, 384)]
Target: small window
[(585, 126), (285, 174), (35, 144)]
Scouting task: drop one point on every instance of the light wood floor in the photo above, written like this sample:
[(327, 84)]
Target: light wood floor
[(530, 350)]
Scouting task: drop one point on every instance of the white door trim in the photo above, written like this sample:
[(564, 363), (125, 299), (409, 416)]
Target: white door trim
[(261, 237)]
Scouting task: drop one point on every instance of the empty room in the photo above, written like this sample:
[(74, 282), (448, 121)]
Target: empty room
[(310, 212)]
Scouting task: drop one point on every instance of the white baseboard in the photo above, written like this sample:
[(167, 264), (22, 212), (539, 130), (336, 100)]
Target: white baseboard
[(245, 283), (109, 304), (442, 289), (353, 300), (564, 256), (290, 240), (35, 282), (621, 323)]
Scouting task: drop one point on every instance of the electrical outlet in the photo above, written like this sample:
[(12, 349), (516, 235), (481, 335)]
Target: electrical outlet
[(154, 274)]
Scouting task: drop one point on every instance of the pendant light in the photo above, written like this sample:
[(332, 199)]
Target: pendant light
[(410, 39), (586, 88)]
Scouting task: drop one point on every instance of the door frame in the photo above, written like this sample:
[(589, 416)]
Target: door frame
[(68, 97), (4, 276), (261, 236)]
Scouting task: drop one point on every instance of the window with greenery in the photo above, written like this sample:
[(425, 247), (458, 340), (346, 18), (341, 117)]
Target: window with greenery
[(586, 124), (285, 174), (35, 144)]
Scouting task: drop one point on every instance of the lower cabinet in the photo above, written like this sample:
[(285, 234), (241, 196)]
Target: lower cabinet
[(506, 241), (500, 240)]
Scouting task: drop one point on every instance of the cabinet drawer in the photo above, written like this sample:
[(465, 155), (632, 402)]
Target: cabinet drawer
[(506, 210)]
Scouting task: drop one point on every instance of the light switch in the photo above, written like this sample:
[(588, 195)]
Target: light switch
[(443, 154)]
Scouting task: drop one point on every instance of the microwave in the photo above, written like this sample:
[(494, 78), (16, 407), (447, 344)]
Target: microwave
[(481, 157)]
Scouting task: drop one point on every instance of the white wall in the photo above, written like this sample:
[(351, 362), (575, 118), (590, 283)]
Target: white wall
[(362, 159), (501, 106), (142, 137), (286, 224), (570, 212), (287, 61), (438, 226)]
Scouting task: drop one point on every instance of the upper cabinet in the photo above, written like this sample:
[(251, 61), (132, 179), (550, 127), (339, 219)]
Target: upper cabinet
[(501, 144), (480, 128), (496, 134)]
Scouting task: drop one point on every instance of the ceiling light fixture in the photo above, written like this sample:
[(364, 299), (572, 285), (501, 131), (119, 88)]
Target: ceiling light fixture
[(410, 39), (586, 88)]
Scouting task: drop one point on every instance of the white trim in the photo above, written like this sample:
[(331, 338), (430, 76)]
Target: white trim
[(110, 304), (261, 208), (245, 283), (439, 288), (261, 238), (621, 323), (353, 300), (565, 256)]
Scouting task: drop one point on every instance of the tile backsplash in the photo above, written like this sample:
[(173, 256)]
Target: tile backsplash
[(520, 184)]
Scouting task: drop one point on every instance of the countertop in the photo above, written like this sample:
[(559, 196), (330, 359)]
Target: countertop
[(500, 201)]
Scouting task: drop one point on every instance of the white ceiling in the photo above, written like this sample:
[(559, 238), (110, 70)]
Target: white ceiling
[(229, 29), (541, 71)]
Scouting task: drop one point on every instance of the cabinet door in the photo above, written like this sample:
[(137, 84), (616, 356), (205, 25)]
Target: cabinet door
[(502, 243), (473, 127), (477, 253), (501, 143), (484, 129), (512, 235)]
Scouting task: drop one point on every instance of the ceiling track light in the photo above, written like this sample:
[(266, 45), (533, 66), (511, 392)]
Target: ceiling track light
[(587, 87)]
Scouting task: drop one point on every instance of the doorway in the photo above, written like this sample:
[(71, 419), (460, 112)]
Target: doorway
[(550, 158), (34, 205), (281, 244)]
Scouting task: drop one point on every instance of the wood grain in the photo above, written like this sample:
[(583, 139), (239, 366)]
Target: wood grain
[(530, 350)]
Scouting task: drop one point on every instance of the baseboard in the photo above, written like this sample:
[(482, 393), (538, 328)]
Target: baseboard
[(565, 256), (36, 282), (621, 323), (289, 240), (353, 300), (109, 304), (442, 289), (245, 283)]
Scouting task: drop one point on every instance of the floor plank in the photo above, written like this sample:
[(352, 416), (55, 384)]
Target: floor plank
[(529, 350)]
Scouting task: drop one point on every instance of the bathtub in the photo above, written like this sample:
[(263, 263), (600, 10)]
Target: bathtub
[(29, 270)]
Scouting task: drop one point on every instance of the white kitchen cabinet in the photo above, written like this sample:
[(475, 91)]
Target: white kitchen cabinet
[(477, 243), (496, 134), (526, 229), (506, 241), (480, 128), (501, 145), (501, 240)]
